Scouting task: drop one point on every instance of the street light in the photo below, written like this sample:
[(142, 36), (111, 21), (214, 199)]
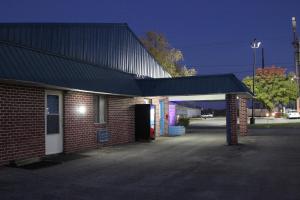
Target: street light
[(296, 47), (296, 44), (254, 45)]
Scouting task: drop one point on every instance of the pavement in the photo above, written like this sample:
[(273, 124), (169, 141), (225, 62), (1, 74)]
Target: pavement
[(265, 165)]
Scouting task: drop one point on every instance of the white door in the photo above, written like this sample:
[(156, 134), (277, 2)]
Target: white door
[(53, 122)]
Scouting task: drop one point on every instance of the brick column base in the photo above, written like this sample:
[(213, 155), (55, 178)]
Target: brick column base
[(243, 117), (231, 119)]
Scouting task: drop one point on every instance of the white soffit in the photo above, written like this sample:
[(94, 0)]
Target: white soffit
[(208, 97)]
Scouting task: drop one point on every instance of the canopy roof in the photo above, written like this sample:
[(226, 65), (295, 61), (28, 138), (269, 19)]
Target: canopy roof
[(194, 85)]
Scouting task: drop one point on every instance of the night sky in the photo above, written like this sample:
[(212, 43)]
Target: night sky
[(214, 35)]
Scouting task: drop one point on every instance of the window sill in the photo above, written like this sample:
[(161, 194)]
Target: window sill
[(100, 123)]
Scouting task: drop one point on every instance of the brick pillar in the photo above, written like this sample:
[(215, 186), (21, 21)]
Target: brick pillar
[(166, 131), (243, 116), (298, 104), (231, 119)]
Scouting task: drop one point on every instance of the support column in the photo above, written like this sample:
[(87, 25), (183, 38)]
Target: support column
[(298, 104), (231, 119), (243, 116), (166, 131)]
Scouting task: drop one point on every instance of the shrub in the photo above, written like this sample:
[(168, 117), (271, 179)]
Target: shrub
[(284, 115), (183, 121)]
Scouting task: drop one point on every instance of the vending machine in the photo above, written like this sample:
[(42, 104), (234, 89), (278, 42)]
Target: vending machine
[(144, 122)]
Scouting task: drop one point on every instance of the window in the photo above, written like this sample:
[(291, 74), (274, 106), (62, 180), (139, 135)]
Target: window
[(100, 109), (52, 114)]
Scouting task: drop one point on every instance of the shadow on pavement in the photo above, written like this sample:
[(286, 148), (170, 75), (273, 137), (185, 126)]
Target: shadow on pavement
[(49, 161)]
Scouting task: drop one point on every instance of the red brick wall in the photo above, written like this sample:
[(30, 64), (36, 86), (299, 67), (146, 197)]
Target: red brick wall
[(243, 116), (231, 119), (22, 118), (121, 119), (80, 129), (22, 122)]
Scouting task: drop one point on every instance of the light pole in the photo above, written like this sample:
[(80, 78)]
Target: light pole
[(296, 44), (254, 45)]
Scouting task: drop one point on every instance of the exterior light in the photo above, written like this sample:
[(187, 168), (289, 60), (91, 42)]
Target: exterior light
[(81, 110), (177, 117), (273, 114), (294, 24), (267, 114), (255, 44)]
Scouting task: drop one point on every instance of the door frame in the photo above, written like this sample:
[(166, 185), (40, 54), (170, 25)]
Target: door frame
[(61, 133)]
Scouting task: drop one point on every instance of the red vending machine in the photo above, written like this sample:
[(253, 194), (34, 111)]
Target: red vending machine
[(144, 122)]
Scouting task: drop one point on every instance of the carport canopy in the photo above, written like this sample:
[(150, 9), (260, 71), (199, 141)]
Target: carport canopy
[(209, 87), (196, 88), (203, 97)]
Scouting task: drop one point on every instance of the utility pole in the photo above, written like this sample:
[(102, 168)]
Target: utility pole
[(296, 45), (262, 58)]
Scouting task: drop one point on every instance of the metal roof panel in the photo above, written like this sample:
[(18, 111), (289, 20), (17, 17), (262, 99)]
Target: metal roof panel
[(29, 65), (21, 64), (108, 45)]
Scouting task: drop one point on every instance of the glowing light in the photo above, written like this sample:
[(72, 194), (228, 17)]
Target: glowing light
[(294, 24), (82, 110), (267, 114), (177, 118), (172, 115), (258, 44), (255, 44), (273, 114)]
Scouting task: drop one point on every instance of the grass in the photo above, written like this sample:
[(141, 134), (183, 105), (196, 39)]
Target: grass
[(276, 125)]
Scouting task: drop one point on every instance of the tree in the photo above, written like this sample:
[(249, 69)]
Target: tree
[(273, 87), (168, 57)]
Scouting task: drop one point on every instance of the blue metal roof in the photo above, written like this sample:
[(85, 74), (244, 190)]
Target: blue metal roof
[(28, 65), (193, 85), (18, 63), (108, 45)]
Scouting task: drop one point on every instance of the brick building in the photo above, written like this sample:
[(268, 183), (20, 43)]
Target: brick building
[(61, 85)]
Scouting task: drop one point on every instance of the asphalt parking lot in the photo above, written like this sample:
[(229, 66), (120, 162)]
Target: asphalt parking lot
[(196, 166)]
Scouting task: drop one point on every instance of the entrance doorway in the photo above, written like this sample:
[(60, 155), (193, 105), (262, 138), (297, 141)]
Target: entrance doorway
[(53, 122)]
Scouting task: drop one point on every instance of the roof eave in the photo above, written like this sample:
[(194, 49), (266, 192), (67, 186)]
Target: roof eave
[(55, 87)]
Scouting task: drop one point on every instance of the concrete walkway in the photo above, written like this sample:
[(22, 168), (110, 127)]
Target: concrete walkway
[(196, 166)]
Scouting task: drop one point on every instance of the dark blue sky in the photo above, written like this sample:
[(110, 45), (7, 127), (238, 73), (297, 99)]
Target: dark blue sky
[(213, 35)]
